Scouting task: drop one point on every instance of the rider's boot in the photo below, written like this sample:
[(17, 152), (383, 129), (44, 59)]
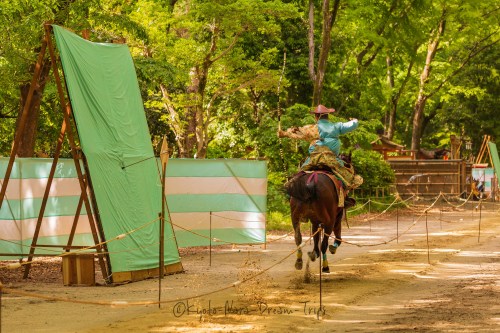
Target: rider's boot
[(349, 202)]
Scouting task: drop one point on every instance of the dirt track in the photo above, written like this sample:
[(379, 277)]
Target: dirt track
[(371, 288)]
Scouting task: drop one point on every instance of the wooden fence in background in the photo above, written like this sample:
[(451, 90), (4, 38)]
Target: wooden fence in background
[(431, 177)]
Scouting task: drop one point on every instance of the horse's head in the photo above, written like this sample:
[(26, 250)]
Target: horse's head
[(346, 158)]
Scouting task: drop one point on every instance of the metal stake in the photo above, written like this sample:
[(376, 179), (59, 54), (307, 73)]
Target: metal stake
[(480, 215), (210, 240), (321, 234), (397, 225), (427, 232)]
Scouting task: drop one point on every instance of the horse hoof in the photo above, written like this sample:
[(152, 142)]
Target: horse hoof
[(325, 269), (332, 249), (298, 264), (312, 256)]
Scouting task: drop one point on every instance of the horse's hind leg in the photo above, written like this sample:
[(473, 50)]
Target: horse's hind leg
[(337, 230), (324, 244), (315, 252)]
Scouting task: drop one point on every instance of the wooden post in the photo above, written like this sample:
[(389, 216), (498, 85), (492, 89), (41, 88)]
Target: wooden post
[(160, 258), (463, 179), (164, 161)]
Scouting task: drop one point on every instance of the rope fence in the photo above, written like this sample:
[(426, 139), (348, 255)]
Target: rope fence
[(421, 210), (142, 303)]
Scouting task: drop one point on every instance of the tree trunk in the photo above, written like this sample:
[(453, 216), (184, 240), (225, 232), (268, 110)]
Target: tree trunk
[(26, 146), (201, 114), (192, 113), (418, 117), (380, 30), (419, 108), (329, 17), (310, 37), (390, 124), (390, 115), (174, 123)]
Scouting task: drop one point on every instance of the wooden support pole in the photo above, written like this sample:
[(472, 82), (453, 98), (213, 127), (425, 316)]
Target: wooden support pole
[(160, 256), (482, 150), (164, 161), (22, 121), (71, 138), (100, 231), (75, 222), (46, 193)]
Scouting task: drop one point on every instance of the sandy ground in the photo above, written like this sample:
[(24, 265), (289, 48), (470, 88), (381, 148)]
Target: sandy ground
[(443, 280)]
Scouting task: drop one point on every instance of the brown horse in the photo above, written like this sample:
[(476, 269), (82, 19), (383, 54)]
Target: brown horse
[(314, 198)]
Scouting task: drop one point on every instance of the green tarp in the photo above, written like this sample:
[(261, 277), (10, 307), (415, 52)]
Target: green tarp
[(108, 109), (495, 158)]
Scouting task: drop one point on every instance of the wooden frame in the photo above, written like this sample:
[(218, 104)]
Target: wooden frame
[(77, 155)]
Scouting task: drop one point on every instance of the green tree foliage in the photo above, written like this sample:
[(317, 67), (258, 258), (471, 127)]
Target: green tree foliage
[(375, 171), (213, 77)]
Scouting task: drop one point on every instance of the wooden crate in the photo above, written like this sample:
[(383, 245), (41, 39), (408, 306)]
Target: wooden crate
[(78, 269)]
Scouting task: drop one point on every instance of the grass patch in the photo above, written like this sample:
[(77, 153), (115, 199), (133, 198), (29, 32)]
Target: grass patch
[(279, 222)]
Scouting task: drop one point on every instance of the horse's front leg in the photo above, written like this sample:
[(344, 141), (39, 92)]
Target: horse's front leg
[(298, 239), (315, 252)]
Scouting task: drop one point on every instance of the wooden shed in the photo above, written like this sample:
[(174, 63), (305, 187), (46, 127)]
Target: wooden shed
[(391, 150)]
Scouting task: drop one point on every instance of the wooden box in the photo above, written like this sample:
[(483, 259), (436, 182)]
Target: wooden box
[(78, 269)]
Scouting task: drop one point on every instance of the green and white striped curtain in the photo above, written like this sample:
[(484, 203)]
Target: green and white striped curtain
[(224, 199), (22, 202)]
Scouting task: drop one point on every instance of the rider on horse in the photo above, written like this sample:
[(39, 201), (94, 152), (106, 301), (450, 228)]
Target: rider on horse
[(325, 148)]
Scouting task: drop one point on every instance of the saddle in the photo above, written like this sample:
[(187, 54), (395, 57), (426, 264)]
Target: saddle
[(313, 178)]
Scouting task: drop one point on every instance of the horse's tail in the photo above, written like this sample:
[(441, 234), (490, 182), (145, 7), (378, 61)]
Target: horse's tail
[(302, 187)]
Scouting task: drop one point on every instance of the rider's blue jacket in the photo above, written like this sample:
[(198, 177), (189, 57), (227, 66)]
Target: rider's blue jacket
[(329, 135)]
